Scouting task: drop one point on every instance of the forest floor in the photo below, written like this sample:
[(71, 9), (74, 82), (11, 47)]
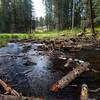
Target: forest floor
[(51, 34)]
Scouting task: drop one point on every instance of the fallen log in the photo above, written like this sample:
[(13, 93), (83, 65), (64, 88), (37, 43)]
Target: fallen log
[(73, 48), (8, 89), (10, 97), (84, 92), (70, 77)]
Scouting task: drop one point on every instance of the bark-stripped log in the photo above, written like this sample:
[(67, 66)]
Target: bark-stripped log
[(8, 89), (9, 97), (84, 92), (70, 77)]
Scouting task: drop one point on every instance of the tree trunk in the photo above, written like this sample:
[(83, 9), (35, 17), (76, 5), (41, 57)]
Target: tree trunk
[(73, 14), (92, 18)]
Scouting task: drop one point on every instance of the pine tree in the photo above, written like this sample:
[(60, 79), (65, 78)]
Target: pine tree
[(61, 13), (5, 16), (16, 16)]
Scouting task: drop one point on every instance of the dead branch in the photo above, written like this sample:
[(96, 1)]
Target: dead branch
[(8, 89), (10, 97), (70, 77), (96, 90)]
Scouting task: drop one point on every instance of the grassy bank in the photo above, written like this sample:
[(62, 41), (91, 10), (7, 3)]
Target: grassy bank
[(58, 34), (52, 34), (3, 42), (5, 37), (15, 36)]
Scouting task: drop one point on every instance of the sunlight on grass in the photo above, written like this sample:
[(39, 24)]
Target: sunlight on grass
[(53, 34), (15, 36), (57, 34)]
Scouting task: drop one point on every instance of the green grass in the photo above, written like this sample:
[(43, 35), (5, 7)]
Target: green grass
[(15, 36), (89, 30), (3, 42), (57, 34), (53, 34), (5, 37)]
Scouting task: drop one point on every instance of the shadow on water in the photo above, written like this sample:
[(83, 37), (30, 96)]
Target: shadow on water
[(33, 74)]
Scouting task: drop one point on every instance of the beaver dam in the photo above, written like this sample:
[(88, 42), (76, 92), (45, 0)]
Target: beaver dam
[(32, 68)]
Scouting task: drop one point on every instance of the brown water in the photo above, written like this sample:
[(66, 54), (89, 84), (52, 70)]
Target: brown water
[(33, 73)]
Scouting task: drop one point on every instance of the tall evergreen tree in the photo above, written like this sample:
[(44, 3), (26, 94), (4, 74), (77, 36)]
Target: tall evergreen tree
[(62, 13), (49, 18), (16, 15), (5, 15)]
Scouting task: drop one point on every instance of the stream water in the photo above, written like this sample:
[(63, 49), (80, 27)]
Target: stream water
[(32, 74)]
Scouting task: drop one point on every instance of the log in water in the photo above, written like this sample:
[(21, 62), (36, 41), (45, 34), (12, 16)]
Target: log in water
[(8, 89), (9, 97), (70, 77)]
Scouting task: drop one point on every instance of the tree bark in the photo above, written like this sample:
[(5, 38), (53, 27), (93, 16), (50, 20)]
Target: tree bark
[(9, 97), (84, 92), (8, 89), (70, 77), (92, 18), (73, 14)]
